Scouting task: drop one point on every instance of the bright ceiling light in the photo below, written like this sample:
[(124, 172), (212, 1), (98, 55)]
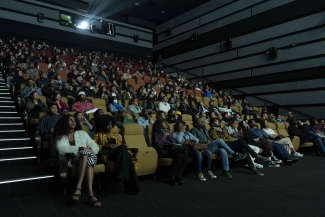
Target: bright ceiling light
[(163, 12), (137, 3), (83, 25)]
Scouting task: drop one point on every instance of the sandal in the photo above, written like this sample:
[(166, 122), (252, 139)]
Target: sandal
[(93, 202), (77, 195)]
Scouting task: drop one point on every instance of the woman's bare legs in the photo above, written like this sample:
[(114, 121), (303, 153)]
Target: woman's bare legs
[(89, 180), (81, 175)]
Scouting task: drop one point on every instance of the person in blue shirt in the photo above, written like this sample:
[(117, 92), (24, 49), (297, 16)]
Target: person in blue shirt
[(207, 93), (279, 148), (144, 120)]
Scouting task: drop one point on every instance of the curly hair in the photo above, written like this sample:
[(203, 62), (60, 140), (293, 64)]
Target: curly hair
[(102, 121), (158, 125), (62, 127)]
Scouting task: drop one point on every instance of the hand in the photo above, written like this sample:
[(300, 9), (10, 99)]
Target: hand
[(88, 149), (256, 139), (166, 133)]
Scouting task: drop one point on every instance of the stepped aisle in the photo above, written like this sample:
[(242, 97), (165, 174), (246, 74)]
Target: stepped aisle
[(20, 174)]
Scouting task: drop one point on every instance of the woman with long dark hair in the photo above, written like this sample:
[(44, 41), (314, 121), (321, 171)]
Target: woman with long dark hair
[(163, 140), (118, 153), (70, 139)]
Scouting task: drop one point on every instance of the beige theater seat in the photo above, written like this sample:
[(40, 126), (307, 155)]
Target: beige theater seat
[(147, 156), (282, 131)]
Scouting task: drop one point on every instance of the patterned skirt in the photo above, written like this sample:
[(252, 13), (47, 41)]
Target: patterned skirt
[(92, 158)]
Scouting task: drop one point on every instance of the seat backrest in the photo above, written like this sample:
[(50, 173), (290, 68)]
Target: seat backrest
[(41, 114), (189, 127), (85, 128), (282, 129), (208, 127), (187, 118), (43, 99), (133, 136), (272, 126), (149, 134), (65, 100), (172, 128), (154, 117), (99, 102)]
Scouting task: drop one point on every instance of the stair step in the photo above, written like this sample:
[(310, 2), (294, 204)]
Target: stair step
[(12, 126), (11, 114), (11, 134), (17, 161), (7, 108), (10, 120), (24, 180), (7, 102), (17, 142), (9, 152)]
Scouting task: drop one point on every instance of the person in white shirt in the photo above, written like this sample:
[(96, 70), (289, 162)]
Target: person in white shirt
[(222, 109), (164, 105), (280, 139), (134, 107)]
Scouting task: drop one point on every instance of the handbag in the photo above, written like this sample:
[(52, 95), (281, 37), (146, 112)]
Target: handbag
[(196, 146), (177, 147)]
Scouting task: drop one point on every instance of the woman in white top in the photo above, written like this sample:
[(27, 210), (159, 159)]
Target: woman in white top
[(278, 139), (70, 139)]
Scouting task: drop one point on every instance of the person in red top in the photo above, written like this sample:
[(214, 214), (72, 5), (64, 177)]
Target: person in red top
[(81, 104)]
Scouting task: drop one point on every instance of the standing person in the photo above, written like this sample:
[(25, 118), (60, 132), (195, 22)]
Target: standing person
[(107, 140), (163, 140), (69, 138), (159, 62)]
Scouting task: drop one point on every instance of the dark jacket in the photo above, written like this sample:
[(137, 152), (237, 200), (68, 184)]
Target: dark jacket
[(161, 141), (47, 122), (202, 134)]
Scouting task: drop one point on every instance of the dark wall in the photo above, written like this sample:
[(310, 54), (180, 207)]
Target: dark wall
[(68, 39)]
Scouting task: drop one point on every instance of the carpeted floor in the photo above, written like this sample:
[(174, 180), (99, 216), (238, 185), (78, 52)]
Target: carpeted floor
[(296, 190)]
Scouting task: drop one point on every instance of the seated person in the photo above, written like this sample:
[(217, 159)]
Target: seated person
[(43, 80), (70, 139), (34, 105), (122, 119), (280, 139), (213, 108), (225, 117), (144, 120), (62, 107), (279, 148), (203, 116), (163, 139), (173, 117), (199, 134), (222, 108), (118, 153), (103, 93), (202, 107), (114, 106), (31, 87), (90, 93), (134, 108), (46, 126), (164, 105), (150, 105), (83, 121), (58, 81), (69, 93), (184, 108), (305, 136), (81, 104), (172, 103), (128, 94)]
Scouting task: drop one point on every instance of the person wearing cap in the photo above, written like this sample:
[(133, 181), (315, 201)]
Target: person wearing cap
[(81, 104), (290, 116)]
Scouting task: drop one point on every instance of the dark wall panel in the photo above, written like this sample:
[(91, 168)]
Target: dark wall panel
[(67, 39)]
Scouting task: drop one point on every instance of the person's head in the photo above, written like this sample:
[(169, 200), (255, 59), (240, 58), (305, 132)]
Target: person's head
[(232, 123), (201, 103), (307, 122), (213, 115), (314, 121), (199, 123), (79, 116), (87, 84), (293, 121), (58, 77), (172, 112), (272, 115), (161, 125), (264, 124), (214, 122), (252, 123), (56, 96), (113, 100), (243, 125), (105, 123), (264, 115), (53, 108), (257, 116), (135, 101), (179, 126), (98, 112), (67, 85), (30, 82), (225, 114), (162, 115), (164, 99), (321, 121), (203, 114), (211, 103), (102, 89), (34, 95), (290, 114), (121, 113), (66, 125), (81, 96), (144, 112)]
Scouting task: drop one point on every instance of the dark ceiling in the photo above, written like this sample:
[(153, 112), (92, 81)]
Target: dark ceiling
[(148, 10)]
